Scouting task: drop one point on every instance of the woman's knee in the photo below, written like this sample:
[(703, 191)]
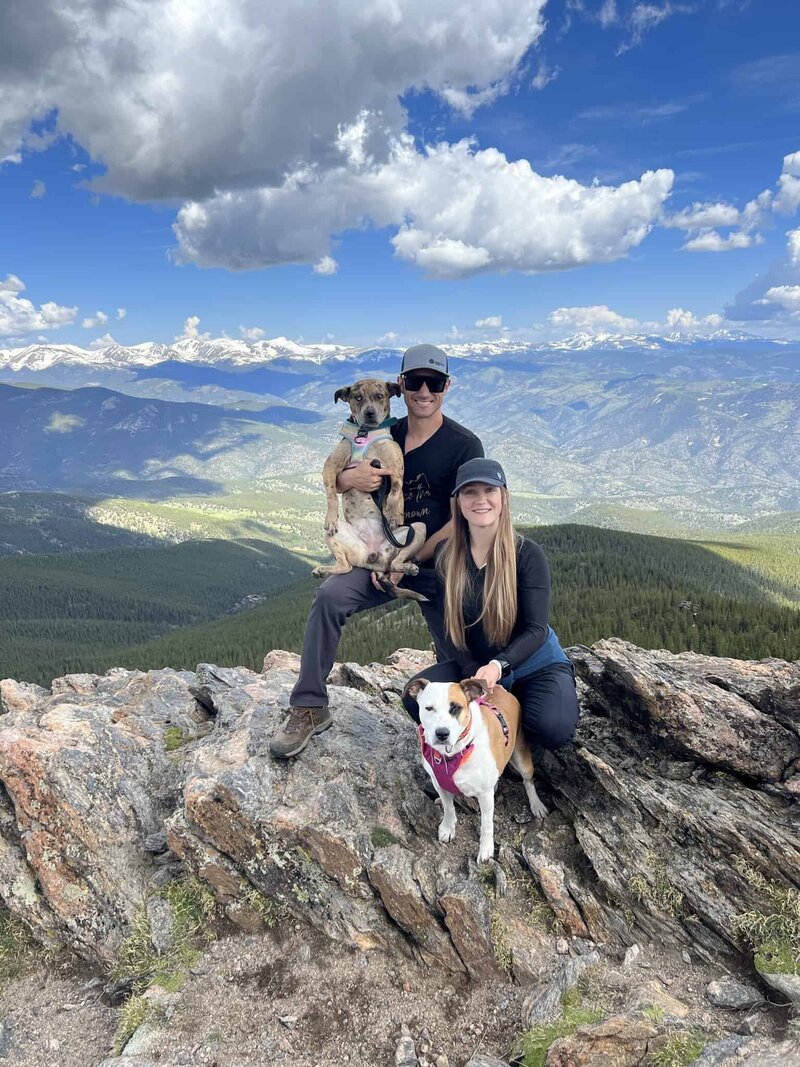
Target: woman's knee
[(550, 718)]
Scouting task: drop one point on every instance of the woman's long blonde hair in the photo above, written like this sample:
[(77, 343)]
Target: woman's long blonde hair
[(500, 585)]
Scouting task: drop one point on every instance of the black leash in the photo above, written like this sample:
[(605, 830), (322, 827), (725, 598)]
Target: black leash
[(379, 496)]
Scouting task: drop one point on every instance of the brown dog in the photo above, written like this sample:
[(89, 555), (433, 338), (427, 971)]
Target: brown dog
[(361, 540)]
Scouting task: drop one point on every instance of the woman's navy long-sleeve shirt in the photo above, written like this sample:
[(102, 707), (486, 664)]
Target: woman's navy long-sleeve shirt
[(533, 611)]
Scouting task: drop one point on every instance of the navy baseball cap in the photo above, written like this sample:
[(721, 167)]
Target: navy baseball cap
[(424, 357), (487, 471)]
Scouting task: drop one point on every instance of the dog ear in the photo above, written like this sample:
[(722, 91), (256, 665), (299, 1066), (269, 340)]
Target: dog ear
[(341, 394), (474, 688), (415, 687), (394, 389)]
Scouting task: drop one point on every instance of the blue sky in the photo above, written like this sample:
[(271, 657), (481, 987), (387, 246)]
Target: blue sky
[(305, 141)]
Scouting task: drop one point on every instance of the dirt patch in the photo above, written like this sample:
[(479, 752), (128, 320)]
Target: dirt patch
[(291, 997)]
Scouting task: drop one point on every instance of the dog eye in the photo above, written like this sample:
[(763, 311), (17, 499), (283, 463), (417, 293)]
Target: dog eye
[(357, 397), (455, 709), (429, 707)]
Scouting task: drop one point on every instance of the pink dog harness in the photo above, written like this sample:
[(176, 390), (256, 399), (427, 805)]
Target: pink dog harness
[(444, 767)]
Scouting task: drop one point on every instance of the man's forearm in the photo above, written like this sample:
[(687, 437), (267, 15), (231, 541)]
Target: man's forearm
[(429, 547)]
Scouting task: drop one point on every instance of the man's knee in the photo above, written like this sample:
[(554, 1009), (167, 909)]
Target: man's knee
[(338, 597)]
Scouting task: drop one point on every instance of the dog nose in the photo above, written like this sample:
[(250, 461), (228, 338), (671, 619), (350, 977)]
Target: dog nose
[(442, 733)]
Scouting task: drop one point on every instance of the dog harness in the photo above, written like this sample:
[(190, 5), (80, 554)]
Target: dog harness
[(362, 438), (500, 718), (445, 767)]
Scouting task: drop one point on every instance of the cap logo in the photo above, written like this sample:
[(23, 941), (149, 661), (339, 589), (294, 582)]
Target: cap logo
[(433, 362)]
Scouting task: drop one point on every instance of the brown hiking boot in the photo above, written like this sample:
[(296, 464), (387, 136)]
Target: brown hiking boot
[(298, 730)]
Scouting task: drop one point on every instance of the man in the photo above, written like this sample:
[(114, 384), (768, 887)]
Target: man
[(434, 447)]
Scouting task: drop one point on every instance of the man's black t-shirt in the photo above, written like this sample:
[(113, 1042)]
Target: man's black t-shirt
[(430, 470)]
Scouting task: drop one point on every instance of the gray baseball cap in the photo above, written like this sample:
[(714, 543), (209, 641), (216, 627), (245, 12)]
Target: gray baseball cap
[(487, 471), (424, 357)]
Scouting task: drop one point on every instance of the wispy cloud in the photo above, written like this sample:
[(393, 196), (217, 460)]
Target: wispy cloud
[(544, 75), (774, 76), (642, 114), (39, 190)]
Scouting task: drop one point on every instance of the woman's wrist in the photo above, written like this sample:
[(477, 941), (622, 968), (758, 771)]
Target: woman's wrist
[(503, 667)]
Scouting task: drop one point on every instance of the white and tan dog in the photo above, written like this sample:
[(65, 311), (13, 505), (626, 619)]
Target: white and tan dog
[(466, 742)]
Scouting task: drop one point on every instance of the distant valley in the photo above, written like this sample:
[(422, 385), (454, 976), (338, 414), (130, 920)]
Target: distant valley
[(657, 434)]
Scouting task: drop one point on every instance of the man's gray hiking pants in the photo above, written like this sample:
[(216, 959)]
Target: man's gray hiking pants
[(339, 597)]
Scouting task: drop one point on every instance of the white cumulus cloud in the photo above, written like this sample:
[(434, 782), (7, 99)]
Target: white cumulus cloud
[(457, 211), (102, 342), (687, 322), (39, 190), (326, 265), (19, 316), (206, 95), (787, 296), (98, 319), (711, 241), (491, 322), (787, 199), (794, 247), (389, 338), (279, 131), (596, 318), (191, 331), (121, 313), (252, 333)]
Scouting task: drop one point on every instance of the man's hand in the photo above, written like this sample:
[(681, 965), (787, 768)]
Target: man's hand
[(489, 673), (395, 578), (363, 476)]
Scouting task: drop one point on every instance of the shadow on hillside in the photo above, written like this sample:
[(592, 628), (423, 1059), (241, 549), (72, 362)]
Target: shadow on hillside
[(57, 524)]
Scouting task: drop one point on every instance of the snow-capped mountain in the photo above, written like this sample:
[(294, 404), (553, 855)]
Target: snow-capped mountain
[(237, 353), (42, 357)]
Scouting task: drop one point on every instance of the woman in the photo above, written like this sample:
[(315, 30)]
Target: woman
[(494, 586)]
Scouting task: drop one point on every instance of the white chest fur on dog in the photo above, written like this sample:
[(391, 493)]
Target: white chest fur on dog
[(465, 749)]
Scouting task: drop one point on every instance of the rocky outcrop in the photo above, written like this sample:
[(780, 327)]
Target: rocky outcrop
[(674, 807), (684, 783), (87, 781)]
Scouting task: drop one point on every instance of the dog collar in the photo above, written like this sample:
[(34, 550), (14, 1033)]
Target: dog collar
[(445, 767), (363, 437)]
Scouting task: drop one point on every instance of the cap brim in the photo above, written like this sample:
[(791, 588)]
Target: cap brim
[(478, 481)]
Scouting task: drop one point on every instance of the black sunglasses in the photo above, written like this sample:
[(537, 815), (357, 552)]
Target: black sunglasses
[(414, 382)]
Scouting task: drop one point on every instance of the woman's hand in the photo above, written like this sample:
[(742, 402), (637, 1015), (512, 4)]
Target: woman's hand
[(489, 673)]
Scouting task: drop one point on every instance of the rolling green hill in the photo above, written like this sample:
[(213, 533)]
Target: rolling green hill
[(168, 607), (69, 612)]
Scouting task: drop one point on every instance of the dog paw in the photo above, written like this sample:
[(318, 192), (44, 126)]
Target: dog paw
[(446, 832), (331, 528), (412, 569), (317, 572), (486, 852), (538, 810)]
